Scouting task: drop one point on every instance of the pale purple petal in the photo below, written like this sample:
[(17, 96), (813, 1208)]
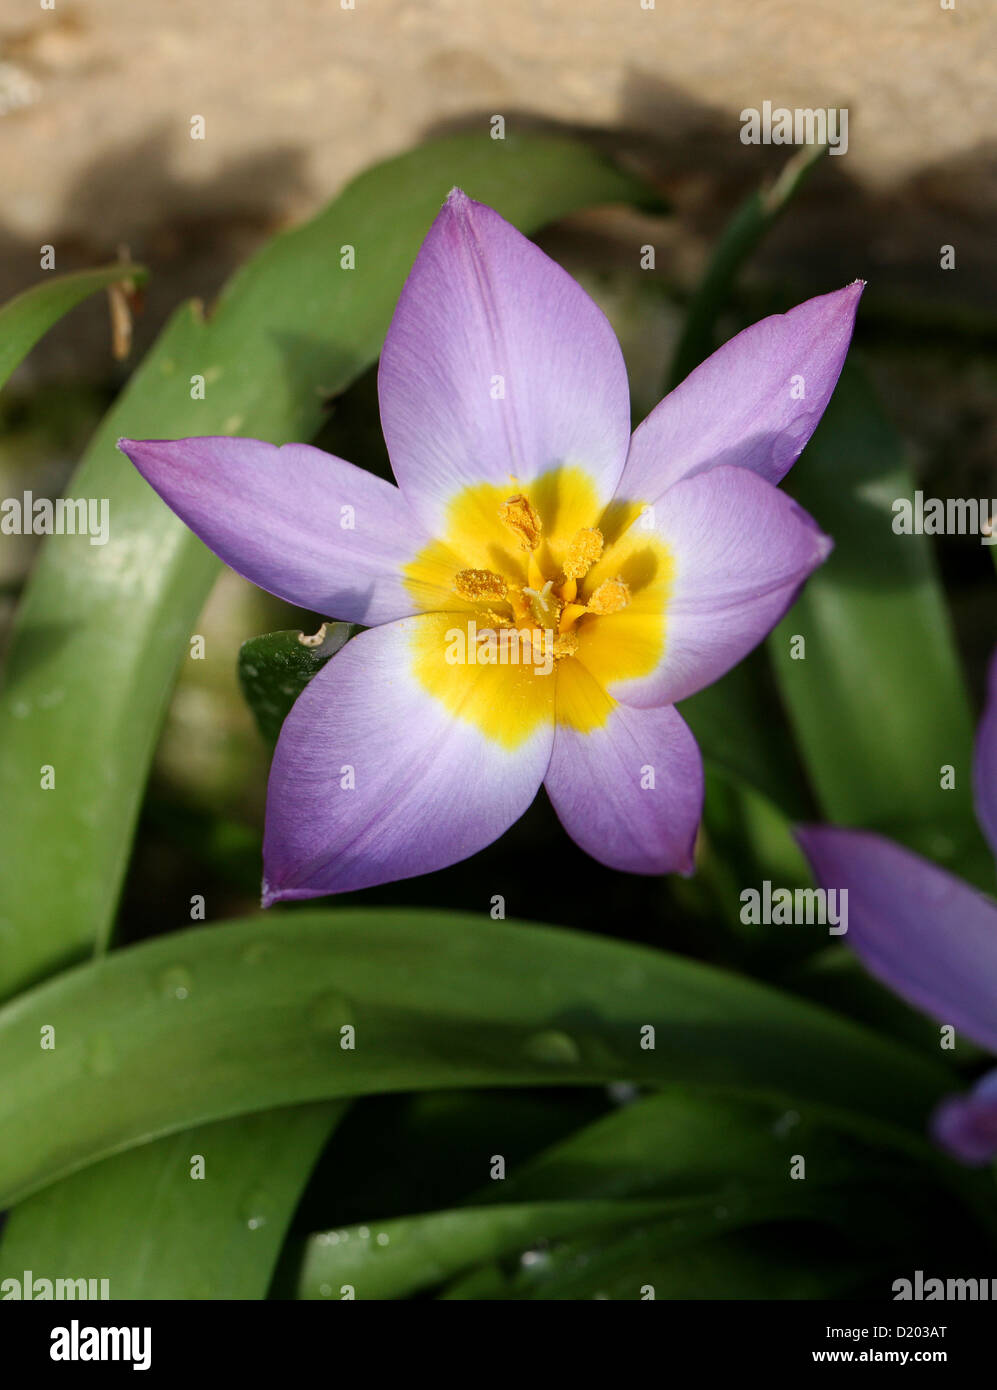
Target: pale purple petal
[(743, 405), (374, 779), (497, 365), (631, 792), (925, 934), (967, 1125), (741, 549), (985, 762), (298, 522)]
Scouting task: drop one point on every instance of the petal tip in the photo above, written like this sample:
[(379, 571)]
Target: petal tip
[(964, 1127), (457, 204)]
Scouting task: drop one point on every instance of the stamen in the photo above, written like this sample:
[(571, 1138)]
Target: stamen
[(520, 605), (584, 550), (534, 573), (521, 516), (475, 585), (610, 597), (570, 614)]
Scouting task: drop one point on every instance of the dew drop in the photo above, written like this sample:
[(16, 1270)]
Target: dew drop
[(256, 1210), (785, 1123), (175, 983)]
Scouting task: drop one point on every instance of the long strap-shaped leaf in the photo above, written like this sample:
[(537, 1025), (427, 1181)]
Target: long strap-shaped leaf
[(877, 702), (306, 1005), (103, 628), (200, 1214), (714, 1162), (394, 1259), (28, 317)]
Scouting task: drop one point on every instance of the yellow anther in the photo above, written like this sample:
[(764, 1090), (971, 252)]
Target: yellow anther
[(521, 516), (584, 550), (610, 597), (476, 585)]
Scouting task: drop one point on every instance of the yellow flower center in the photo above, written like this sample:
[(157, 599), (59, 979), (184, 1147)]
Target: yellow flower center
[(540, 598)]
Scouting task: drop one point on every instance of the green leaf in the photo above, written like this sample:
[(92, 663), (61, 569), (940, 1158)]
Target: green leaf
[(676, 1262), (154, 1231), (685, 1142), (102, 629), (154, 1038), (275, 668), (28, 317), (878, 705), (706, 1162), (733, 724), (393, 1259)]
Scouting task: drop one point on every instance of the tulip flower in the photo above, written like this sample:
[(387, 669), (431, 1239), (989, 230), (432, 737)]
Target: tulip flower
[(539, 589), (929, 936)]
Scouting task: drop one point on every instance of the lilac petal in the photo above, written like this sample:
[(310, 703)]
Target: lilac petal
[(985, 762), (740, 406), (630, 792), (497, 365), (925, 934), (741, 549), (298, 522), (428, 787), (967, 1125)]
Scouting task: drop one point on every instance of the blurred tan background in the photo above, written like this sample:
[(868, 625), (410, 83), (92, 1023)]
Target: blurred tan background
[(298, 95)]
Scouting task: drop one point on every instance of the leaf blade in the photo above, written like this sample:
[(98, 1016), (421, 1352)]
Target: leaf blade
[(153, 1037), (26, 318), (156, 1233)]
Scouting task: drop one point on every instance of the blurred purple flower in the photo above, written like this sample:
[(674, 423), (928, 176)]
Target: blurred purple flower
[(646, 567), (929, 936)]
